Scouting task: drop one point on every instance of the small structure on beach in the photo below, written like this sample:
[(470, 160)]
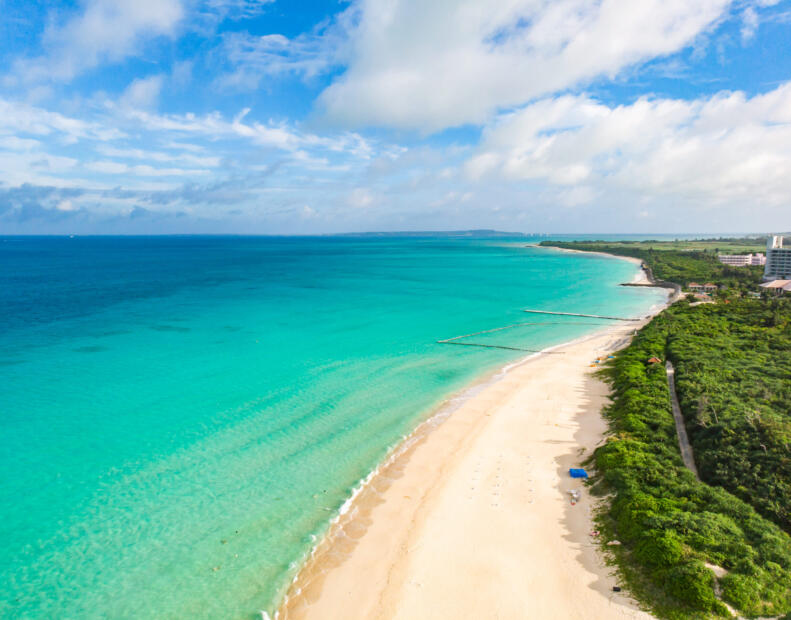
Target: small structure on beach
[(576, 472)]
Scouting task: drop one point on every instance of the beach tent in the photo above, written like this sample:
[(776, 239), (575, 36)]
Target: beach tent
[(578, 473)]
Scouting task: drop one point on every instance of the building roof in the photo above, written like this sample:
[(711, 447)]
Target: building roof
[(654, 360), (777, 284)]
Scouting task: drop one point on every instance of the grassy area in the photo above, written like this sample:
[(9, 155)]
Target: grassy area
[(733, 370), (669, 263)]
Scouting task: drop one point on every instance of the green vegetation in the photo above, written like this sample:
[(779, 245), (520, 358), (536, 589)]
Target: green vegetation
[(733, 376), (733, 364), (733, 372), (722, 245), (680, 262)]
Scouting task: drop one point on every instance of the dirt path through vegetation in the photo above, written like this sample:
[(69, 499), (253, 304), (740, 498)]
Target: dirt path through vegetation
[(681, 431)]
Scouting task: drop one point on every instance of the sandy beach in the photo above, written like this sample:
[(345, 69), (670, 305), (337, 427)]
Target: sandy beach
[(473, 517)]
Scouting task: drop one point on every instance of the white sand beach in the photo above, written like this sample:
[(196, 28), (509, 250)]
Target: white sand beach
[(474, 520)]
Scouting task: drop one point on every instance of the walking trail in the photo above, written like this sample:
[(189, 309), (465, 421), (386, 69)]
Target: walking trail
[(681, 430)]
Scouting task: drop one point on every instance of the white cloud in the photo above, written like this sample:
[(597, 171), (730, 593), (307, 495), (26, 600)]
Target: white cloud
[(129, 144), (105, 31), (257, 57), (145, 170), (236, 9), (159, 156), (107, 167), (360, 198), (19, 117), (38, 168), (430, 65), (254, 58), (724, 149), (181, 74), (275, 135), (750, 23), (142, 92), (307, 212), (13, 143)]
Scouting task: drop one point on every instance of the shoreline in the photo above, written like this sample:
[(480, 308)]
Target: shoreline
[(309, 596), (639, 278)]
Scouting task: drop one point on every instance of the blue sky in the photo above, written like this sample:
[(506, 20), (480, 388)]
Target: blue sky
[(240, 116)]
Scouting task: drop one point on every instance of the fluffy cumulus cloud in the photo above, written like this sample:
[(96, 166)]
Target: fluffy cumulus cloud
[(723, 149), (431, 65)]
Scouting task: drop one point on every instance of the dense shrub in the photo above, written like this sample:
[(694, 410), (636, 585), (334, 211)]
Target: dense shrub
[(659, 548), (670, 524), (691, 583)]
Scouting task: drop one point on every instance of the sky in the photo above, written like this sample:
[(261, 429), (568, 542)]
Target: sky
[(276, 117)]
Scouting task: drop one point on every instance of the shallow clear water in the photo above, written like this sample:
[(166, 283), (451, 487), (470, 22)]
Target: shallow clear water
[(183, 415)]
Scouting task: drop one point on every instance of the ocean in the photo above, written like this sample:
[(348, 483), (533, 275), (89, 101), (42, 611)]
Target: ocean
[(184, 416)]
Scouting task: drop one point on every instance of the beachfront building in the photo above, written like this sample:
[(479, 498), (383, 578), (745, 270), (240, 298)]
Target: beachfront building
[(742, 260), (778, 287), (778, 259)]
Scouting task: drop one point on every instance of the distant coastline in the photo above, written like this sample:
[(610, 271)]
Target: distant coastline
[(453, 234)]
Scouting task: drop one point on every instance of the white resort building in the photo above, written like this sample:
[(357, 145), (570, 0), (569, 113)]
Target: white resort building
[(778, 259), (742, 260)]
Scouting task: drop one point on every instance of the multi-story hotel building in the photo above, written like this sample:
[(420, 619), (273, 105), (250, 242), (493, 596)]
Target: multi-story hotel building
[(778, 259), (742, 260)]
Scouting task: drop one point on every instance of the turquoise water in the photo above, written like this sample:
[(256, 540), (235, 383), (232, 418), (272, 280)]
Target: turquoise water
[(182, 416)]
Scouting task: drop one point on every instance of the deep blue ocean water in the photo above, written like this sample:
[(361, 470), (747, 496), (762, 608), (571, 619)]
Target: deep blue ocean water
[(183, 416)]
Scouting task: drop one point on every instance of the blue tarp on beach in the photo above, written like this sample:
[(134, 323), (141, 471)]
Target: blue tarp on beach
[(578, 473)]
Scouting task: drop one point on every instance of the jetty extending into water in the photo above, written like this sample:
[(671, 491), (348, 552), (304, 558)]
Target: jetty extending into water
[(588, 316), (456, 339)]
